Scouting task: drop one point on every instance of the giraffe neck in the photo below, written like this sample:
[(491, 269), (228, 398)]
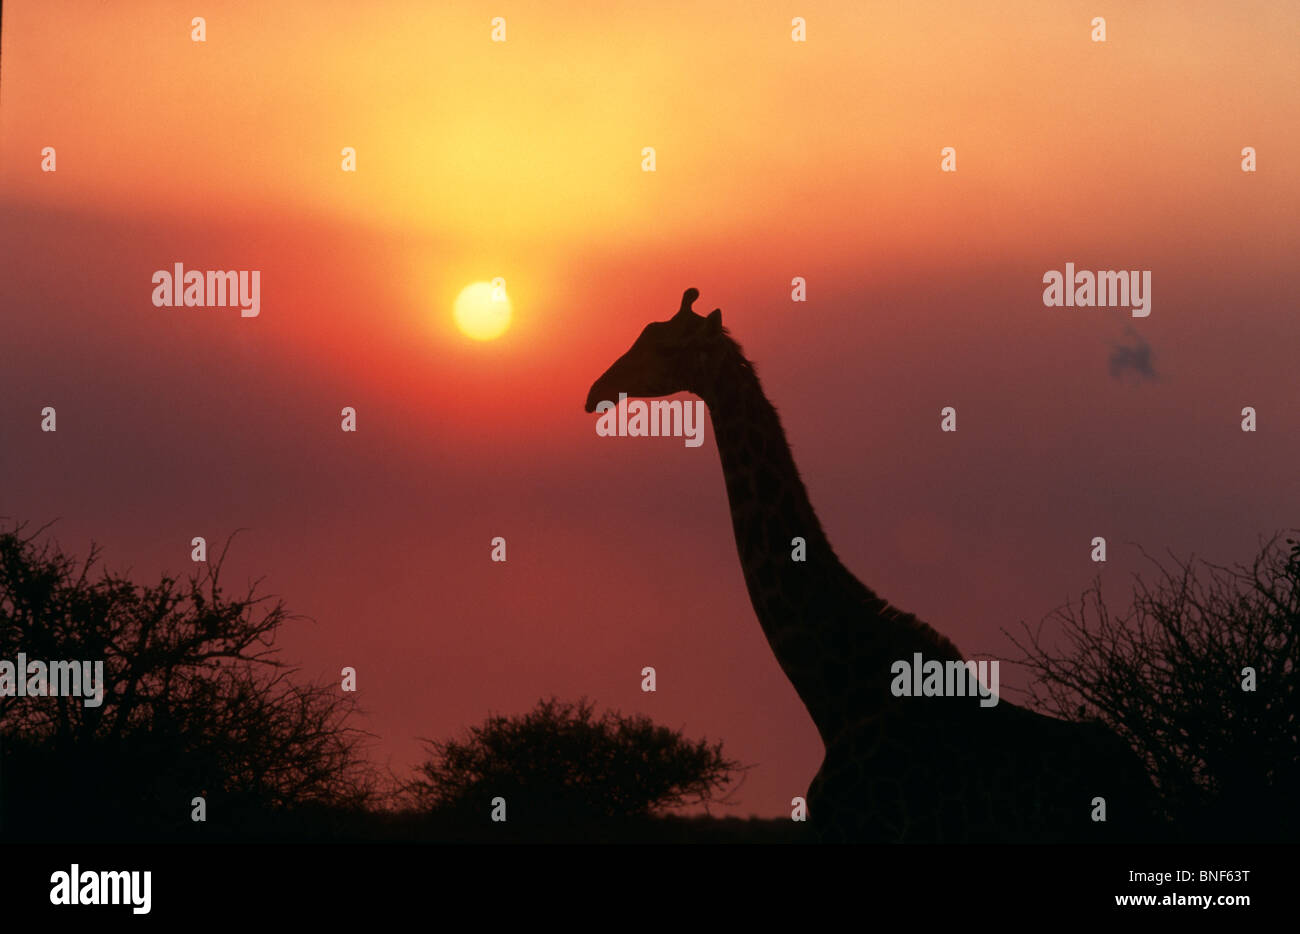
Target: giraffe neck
[(834, 638)]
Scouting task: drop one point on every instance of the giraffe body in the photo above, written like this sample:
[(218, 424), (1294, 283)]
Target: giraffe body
[(896, 768)]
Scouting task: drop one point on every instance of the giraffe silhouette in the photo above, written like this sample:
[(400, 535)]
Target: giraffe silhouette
[(895, 768)]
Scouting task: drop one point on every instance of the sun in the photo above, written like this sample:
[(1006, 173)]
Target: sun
[(482, 311)]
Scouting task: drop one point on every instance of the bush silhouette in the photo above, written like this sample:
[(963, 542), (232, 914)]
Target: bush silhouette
[(1168, 675), (197, 704), (561, 765)]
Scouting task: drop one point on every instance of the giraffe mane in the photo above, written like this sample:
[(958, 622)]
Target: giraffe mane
[(931, 636)]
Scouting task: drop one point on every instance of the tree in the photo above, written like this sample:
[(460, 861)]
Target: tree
[(561, 765), (197, 703), (1173, 675)]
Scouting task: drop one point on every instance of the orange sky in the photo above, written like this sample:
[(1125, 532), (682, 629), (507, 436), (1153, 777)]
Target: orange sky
[(497, 144), (774, 159)]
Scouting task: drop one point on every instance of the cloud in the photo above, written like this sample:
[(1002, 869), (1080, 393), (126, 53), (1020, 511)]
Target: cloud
[(1135, 358)]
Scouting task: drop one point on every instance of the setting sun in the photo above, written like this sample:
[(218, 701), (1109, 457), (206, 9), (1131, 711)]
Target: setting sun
[(482, 311)]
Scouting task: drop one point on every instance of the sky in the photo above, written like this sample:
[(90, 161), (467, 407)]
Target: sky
[(523, 160)]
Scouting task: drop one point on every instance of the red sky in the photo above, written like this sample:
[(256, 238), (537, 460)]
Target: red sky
[(522, 160)]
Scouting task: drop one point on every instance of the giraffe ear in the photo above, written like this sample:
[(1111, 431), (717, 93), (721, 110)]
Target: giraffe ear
[(713, 323)]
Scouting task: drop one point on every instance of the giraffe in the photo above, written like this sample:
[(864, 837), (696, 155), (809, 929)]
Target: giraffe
[(895, 768)]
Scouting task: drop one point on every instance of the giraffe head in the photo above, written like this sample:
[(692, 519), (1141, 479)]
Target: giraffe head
[(669, 356)]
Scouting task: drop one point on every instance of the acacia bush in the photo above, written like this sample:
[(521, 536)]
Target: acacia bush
[(562, 765), (197, 703), (1171, 675)]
